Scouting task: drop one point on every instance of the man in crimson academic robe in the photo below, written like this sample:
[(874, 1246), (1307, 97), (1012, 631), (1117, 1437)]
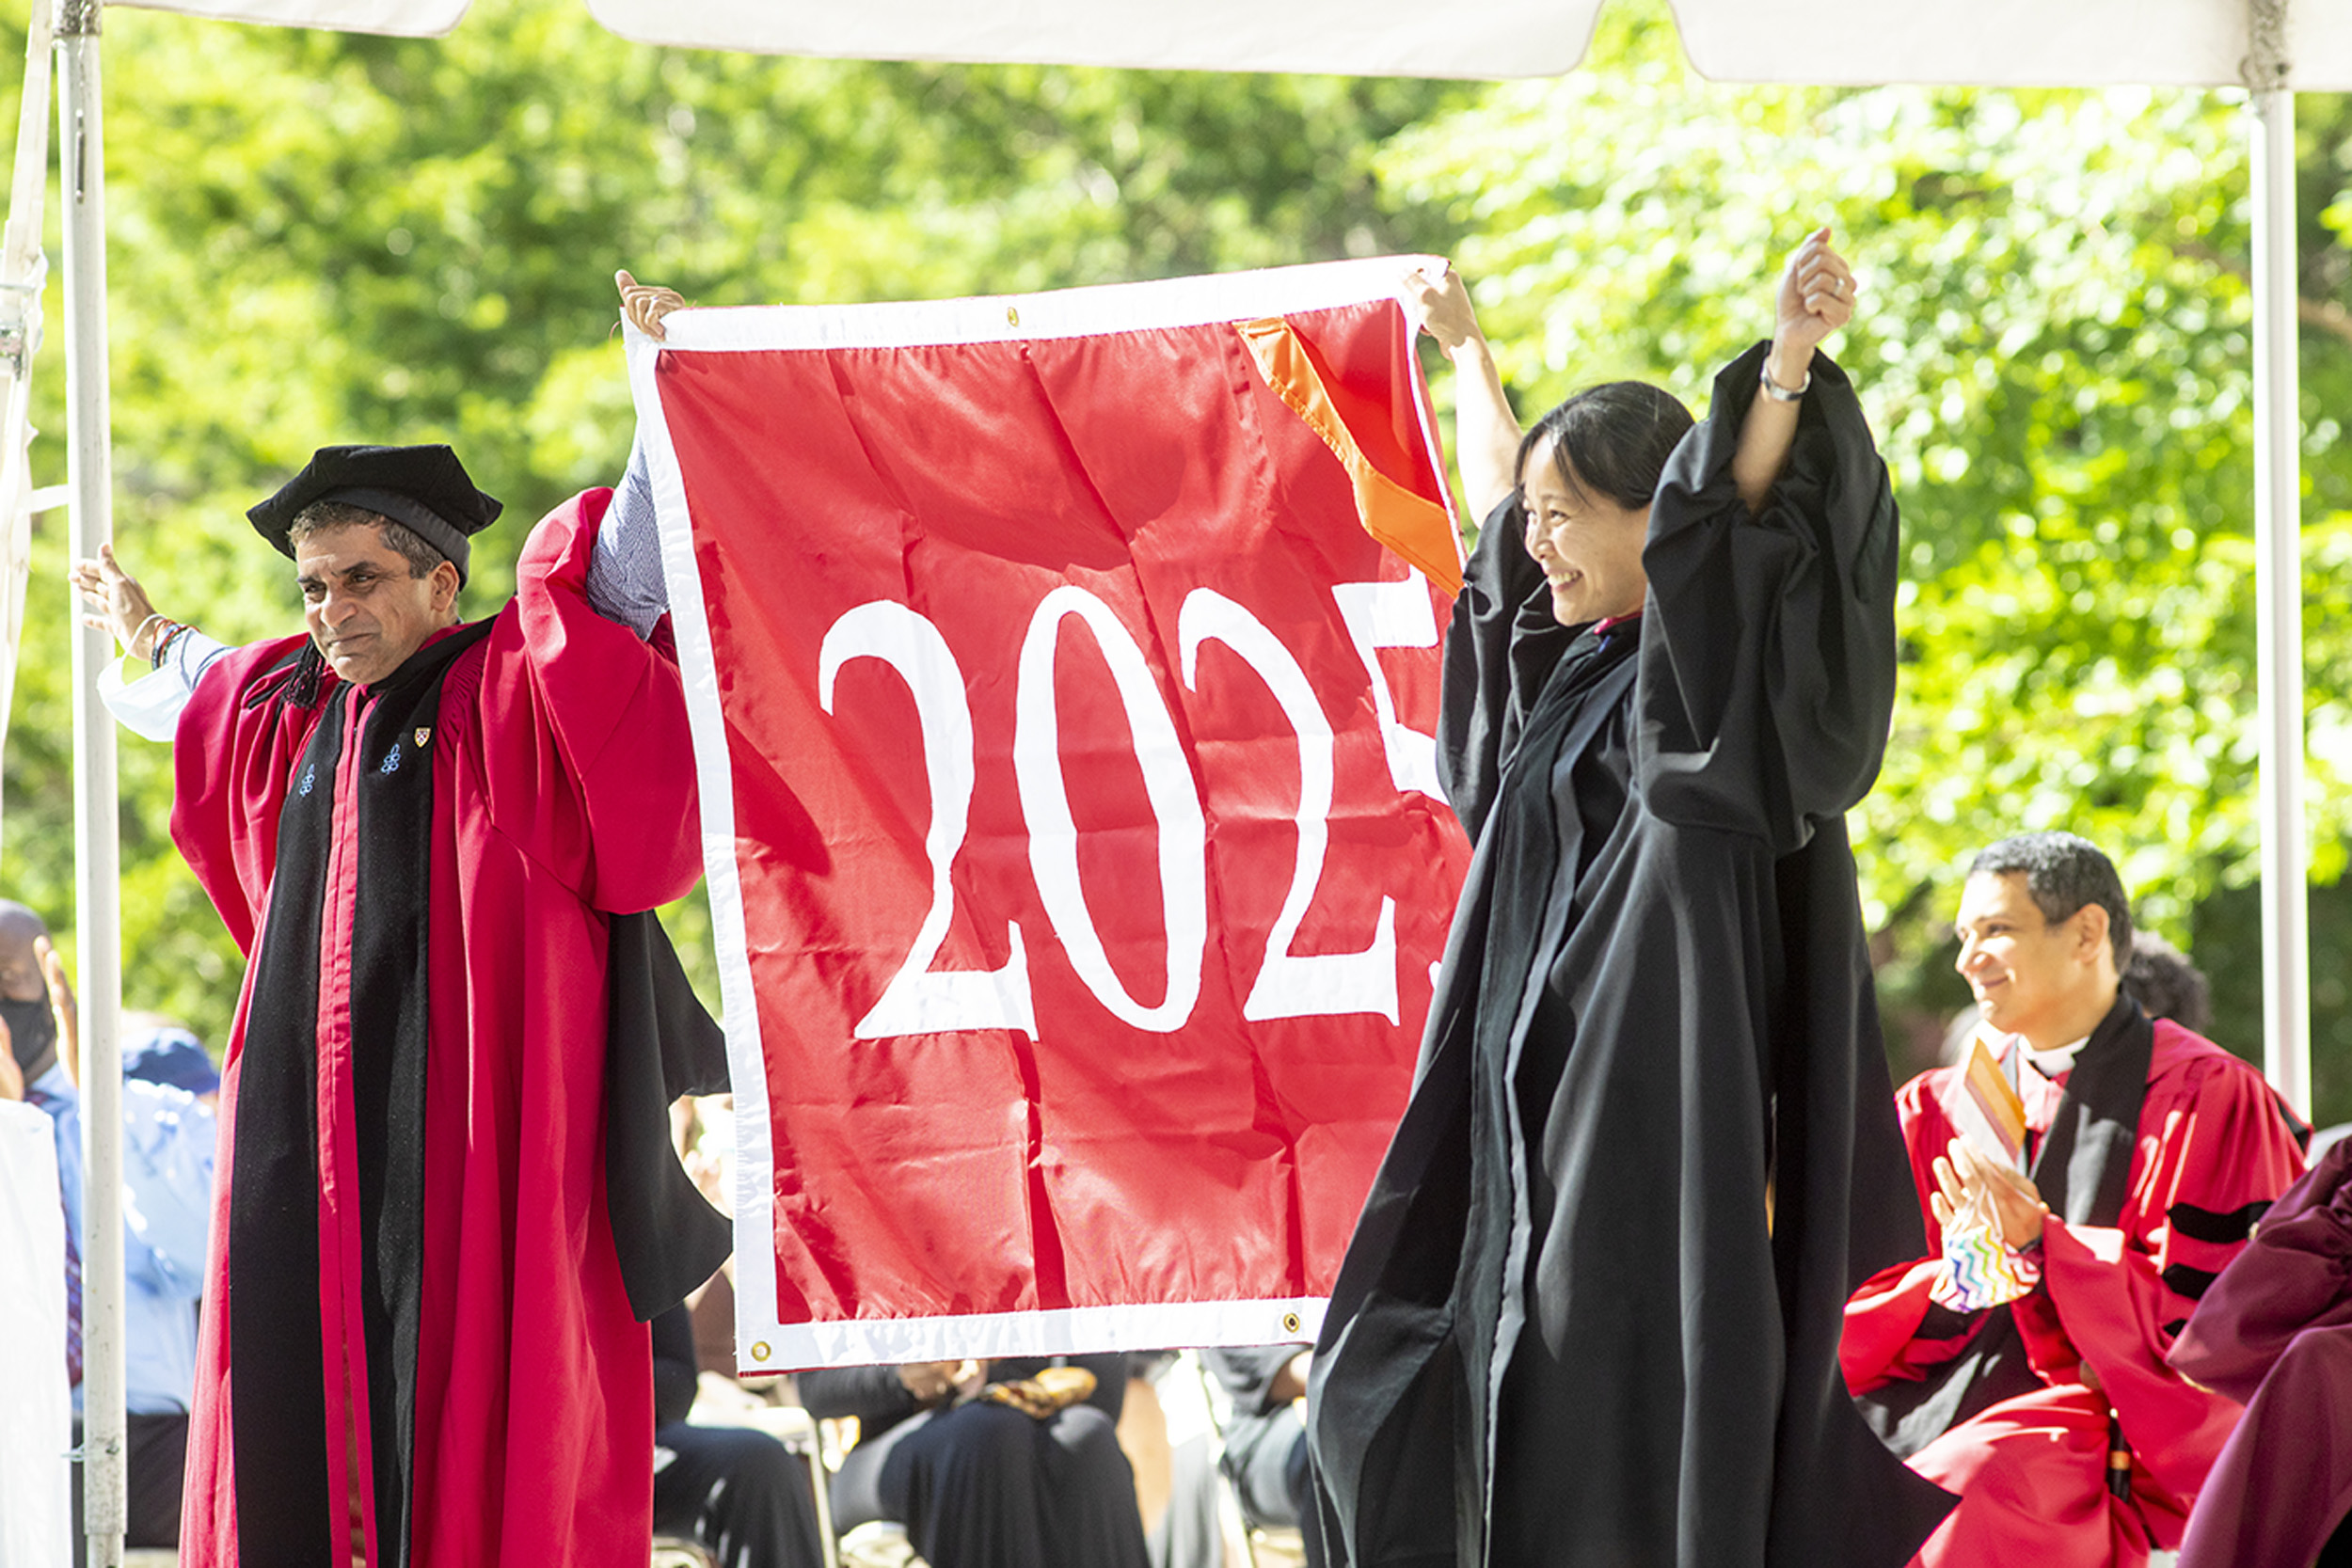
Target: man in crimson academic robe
[(423, 1342), (2148, 1153)]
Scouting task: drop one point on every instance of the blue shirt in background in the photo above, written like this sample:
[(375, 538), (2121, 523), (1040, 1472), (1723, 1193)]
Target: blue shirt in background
[(168, 1149)]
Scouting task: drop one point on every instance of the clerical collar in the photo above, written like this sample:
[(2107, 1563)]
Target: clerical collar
[(2051, 1064)]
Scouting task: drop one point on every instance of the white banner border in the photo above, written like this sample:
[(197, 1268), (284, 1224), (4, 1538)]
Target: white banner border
[(1074, 1331), (690, 623), (1163, 303)]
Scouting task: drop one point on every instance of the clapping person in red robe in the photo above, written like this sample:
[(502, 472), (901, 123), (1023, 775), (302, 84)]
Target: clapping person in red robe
[(435, 839), (2021, 1362)]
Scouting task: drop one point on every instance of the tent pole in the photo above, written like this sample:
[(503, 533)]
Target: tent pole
[(97, 879), (2278, 568)]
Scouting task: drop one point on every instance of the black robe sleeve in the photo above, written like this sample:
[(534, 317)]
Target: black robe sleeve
[(874, 1394), (1249, 1375), (661, 1044), (1794, 606)]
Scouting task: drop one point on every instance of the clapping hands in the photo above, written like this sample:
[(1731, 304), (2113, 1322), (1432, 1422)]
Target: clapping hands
[(1961, 1170)]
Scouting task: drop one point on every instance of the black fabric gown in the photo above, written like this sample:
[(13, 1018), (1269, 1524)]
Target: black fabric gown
[(980, 1485), (1589, 1313)]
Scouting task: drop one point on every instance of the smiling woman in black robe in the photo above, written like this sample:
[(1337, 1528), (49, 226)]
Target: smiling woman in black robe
[(1590, 1314)]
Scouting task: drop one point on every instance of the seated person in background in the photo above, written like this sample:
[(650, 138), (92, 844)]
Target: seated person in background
[(737, 1492), (1265, 1441), (2160, 978), (2275, 1332), (986, 1478), (2021, 1364)]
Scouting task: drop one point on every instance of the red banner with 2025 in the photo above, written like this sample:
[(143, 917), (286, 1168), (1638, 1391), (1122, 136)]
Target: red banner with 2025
[(1078, 860)]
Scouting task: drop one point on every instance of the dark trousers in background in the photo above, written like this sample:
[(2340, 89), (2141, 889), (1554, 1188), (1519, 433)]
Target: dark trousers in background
[(985, 1487), (740, 1493)]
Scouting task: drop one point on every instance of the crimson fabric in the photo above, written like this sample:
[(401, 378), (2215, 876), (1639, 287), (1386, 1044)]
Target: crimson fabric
[(513, 1395), (2274, 1331), (2031, 1469), (1103, 1163)]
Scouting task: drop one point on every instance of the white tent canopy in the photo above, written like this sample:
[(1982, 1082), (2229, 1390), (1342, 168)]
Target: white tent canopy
[(1989, 43)]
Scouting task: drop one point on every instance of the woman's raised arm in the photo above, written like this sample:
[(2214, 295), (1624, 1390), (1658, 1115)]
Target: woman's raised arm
[(1815, 298), (1486, 432)]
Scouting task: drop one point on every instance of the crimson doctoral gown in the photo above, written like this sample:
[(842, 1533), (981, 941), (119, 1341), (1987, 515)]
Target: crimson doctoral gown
[(2148, 1205), (412, 1271)]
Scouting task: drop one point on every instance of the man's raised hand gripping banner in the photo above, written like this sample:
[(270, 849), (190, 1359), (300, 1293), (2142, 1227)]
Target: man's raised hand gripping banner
[(1063, 670)]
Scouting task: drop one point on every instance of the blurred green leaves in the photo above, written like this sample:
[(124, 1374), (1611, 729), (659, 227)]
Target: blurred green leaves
[(2053, 346)]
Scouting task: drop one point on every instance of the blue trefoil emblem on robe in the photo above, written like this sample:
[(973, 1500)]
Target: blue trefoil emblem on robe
[(391, 760), (309, 777)]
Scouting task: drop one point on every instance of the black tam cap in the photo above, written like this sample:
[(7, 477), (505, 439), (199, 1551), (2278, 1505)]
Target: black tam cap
[(422, 488)]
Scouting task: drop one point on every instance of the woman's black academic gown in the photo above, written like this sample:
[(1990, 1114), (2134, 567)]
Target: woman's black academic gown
[(1573, 1325)]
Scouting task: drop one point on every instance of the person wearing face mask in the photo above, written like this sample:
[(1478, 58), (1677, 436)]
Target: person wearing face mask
[(39, 1012), (1590, 1312), (36, 1001)]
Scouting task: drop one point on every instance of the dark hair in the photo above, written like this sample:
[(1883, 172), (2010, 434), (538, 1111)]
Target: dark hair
[(2063, 875), (1611, 440), (401, 540), (2167, 985)]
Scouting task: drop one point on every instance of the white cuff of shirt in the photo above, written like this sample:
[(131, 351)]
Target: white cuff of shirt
[(149, 702)]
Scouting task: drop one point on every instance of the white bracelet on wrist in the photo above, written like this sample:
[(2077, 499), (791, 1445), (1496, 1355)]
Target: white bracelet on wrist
[(131, 641), (1777, 392)]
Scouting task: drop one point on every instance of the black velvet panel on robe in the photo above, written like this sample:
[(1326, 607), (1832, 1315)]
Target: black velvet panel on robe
[(1590, 1314), (2083, 1171), (285, 1518)]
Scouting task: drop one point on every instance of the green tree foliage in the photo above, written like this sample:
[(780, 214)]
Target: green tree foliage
[(319, 238), (2053, 345)]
